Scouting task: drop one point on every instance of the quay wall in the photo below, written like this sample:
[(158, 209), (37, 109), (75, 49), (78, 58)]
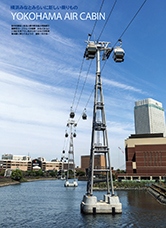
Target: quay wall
[(160, 197)]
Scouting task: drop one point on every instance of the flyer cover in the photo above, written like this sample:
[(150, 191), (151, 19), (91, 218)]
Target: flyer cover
[(44, 73)]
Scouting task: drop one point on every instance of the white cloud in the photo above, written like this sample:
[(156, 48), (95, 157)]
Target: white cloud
[(37, 80)]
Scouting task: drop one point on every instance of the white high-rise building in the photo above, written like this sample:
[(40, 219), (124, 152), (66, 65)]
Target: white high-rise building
[(149, 117)]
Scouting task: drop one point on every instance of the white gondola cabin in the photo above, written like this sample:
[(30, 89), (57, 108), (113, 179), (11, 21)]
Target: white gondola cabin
[(72, 114), (90, 51), (118, 55), (84, 116)]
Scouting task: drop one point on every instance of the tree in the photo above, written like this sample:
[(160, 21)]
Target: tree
[(2, 172), (39, 173), (70, 172), (53, 173), (118, 170), (16, 175), (80, 173)]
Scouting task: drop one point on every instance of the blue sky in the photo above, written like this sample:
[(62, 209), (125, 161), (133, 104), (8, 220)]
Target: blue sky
[(38, 76)]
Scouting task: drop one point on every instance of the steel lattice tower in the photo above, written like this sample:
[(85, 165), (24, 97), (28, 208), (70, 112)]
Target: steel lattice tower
[(71, 164), (99, 140), (99, 127)]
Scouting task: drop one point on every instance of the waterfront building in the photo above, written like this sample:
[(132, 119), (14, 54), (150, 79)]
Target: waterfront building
[(44, 165), (149, 117), (16, 157), (65, 166), (146, 149), (58, 165), (145, 157), (25, 163), (13, 164), (99, 162), (37, 164)]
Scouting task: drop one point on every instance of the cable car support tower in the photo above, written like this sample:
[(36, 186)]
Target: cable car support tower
[(99, 138), (71, 164)]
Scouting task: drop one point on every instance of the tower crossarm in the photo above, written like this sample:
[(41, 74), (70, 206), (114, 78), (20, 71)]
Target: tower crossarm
[(99, 105), (101, 170), (101, 149), (99, 126)]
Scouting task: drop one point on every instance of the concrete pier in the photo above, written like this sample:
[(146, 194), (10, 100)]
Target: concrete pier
[(109, 205), (68, 184)]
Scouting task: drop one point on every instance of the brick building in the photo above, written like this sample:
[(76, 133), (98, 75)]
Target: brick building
[(99, 162), (145, 157), (146, 150)]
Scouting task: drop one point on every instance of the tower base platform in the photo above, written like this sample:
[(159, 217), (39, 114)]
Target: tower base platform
[(68, 184), (110, 205)]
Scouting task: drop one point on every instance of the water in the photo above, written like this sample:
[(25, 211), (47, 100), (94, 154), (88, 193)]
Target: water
[(49, 204)]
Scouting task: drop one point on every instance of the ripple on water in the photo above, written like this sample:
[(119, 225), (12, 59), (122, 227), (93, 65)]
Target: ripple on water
[(50, 204)]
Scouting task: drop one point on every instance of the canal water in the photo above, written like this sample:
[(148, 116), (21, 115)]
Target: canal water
[(49, 204)]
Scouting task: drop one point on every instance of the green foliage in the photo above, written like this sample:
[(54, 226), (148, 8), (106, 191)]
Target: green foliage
[(70, 172), (28, 173), (123, 171), (113, 177), (53, 173), (16, 175), (128, 184), (34, 173), (2, 173), (39, 173), (120, 171), (80, 173)]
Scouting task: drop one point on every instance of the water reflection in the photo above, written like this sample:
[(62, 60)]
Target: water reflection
[(50, 204)]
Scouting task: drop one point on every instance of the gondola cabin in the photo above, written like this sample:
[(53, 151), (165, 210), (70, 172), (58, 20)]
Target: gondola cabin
[(72, 114), (90, 51), (74, 135), (66, 135), (118, 55), (84, 116)]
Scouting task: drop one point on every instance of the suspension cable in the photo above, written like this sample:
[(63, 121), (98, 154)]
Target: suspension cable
[(83, 61), (78, 82), (97, 41), (130, 22), (83, 85), (86, 104), (91, 60), (119, 37), (96, 19), (83, 58), (114, 44), (125, 30), (107, 20)]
